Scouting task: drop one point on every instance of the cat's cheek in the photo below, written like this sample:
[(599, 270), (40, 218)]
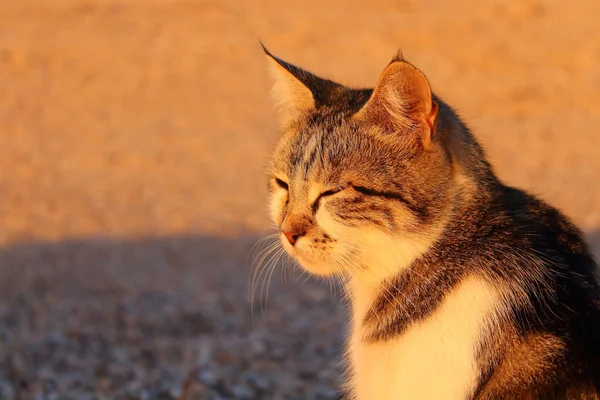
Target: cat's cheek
[(327, 223)]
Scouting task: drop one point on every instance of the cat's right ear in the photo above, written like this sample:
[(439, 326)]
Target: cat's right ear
[(293, 98)]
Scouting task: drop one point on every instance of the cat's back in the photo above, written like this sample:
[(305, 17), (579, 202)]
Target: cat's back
[(555, 318)]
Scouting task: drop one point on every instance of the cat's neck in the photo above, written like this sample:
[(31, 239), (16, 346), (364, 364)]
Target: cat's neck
[(369, 283)]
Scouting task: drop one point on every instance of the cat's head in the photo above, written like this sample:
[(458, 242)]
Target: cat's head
[(359, 179)]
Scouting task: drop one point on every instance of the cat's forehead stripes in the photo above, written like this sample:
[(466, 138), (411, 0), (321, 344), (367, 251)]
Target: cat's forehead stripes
[(311, 151), (307, 156), (302, 175), (321, 155)]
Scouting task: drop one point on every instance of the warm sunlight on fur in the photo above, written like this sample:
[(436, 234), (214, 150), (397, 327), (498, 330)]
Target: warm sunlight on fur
[(450, 275), (434, 359), (291, 97)]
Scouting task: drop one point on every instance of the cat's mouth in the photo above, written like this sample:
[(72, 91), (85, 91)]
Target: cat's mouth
[(311, 254)]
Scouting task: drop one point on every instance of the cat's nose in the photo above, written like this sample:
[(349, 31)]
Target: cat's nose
[(293, 235)]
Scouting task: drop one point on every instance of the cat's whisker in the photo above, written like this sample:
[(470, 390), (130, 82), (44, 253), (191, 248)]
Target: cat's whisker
[(353, 265), (274, 265), (384, 290), (260, 242), (338, 274), (263, 278), (284, 270), (270, 267), (260, 267)]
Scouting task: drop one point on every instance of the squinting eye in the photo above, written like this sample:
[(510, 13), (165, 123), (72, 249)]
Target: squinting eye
[(331, 191), (326, 193), (281, 184)]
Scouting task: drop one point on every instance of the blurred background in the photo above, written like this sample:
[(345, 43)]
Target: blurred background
[(134, 136)]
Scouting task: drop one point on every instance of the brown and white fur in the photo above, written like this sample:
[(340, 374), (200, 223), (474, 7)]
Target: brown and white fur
[(460, 286)]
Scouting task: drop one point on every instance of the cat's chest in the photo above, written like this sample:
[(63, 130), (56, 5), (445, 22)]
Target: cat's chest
[(432, 359)]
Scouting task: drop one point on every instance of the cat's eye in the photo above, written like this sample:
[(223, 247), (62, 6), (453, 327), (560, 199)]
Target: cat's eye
[(281, 184), (331, 192), (326, 193)]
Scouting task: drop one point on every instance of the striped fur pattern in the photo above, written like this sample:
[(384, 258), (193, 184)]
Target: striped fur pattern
[(460, 286)]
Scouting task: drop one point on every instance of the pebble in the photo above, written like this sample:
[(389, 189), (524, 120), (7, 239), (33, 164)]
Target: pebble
[(6, 390), (242, 392), (257, 381), (208, 377)]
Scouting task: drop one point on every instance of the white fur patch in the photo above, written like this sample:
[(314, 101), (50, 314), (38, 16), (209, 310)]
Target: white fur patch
[(433, 359)]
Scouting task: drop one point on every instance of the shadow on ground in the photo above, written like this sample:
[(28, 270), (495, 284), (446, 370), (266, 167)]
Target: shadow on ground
[(160, 318), (181, 263)]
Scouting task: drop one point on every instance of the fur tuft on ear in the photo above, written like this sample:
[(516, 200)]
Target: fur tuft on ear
[(402, 101), (292, 97), (398, 57)]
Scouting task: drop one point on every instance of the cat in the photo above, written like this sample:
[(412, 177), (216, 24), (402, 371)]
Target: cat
[(460, 286)]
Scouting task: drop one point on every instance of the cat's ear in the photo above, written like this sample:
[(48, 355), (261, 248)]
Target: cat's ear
[(296, 92), (402, 102)]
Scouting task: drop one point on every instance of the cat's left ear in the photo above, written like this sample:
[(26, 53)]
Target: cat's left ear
[(296, 92), (402, 102)]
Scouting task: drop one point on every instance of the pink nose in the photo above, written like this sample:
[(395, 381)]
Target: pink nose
[(293, 235)]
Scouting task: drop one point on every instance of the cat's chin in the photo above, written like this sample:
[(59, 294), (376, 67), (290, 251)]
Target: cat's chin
[(310, 263), (318, 269)]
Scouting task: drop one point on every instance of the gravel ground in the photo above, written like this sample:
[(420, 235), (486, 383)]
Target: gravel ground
[(161, 338)]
